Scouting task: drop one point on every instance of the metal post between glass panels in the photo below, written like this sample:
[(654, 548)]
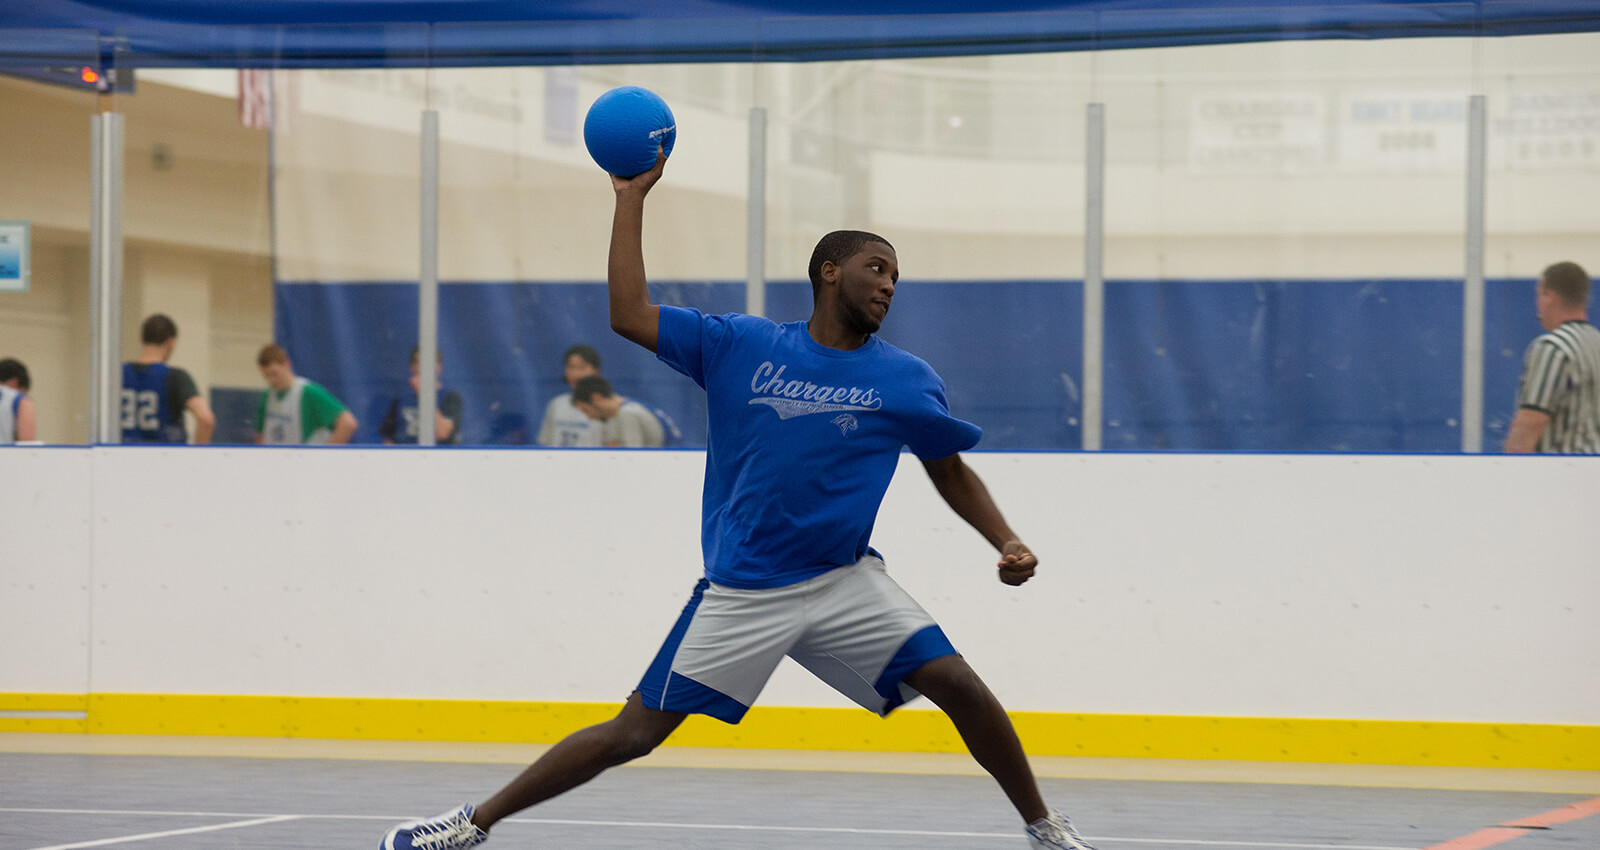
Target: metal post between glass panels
[(428, 283), (755, 283), (1094, 277), (105, 277), (1472, 325)]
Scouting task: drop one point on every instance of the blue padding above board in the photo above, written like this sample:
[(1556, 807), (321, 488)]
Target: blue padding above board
[(403, 33)]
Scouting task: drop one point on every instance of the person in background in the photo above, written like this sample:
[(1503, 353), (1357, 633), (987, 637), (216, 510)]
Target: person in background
[(625, 422), (1558, 401), (295, 410), (155, 396), (17, 422), (400, 423), (564, 424)]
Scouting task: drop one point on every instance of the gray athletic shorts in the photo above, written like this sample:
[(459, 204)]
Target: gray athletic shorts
[(853, 627)]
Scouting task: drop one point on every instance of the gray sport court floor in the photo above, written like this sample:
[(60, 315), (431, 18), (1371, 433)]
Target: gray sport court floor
[(71, 791)]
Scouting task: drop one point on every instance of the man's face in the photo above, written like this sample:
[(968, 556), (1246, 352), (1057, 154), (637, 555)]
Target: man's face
[(866, 286), (278, 376), (578, 369), (591, 410)]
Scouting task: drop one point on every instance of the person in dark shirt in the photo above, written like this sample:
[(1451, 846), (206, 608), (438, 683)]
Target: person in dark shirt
[(155, 396), (400, 423)]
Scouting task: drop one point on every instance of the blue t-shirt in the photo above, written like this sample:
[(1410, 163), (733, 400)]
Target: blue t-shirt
[(803, 440)]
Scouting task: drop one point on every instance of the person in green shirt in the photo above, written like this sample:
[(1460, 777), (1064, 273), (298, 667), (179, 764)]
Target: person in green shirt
[(297, 411)]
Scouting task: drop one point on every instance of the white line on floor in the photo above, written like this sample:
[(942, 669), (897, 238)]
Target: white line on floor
[(1108, 839), (146, 836), (175, 814), (264, 818)]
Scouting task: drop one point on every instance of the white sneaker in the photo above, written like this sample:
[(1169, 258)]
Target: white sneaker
[(452, 830), (1055, 833)]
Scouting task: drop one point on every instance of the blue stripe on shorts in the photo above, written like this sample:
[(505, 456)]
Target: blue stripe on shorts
[(685, 695), (925, 645)]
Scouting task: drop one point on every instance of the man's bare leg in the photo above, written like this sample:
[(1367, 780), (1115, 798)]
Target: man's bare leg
[(952, 685), (580, 757)]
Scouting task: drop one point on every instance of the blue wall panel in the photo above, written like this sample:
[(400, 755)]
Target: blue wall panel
[(1324, 365), (501, 345), (1010, 352), (1511, 321)]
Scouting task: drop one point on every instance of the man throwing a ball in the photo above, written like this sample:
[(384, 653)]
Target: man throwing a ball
[(806, 421)]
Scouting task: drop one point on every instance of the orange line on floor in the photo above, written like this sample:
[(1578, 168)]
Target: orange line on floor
[(1561, 815), (1517, 828)]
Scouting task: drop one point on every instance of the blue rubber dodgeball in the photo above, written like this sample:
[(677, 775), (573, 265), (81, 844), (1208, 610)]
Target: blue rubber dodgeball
[(624, 127)]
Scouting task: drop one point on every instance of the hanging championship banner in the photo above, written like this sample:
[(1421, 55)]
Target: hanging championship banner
[(1403, 131), (1268, 133), (1549, 129)]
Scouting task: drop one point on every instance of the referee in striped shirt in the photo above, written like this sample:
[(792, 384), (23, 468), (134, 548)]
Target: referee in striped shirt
[(1558, 404)]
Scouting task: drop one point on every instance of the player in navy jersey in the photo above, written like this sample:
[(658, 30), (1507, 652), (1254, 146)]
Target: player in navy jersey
[(806, 424), (155, 396)]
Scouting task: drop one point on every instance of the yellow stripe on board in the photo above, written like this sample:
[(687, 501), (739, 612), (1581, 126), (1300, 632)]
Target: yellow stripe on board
[(33, 712), (44, 702), (1045, 734)]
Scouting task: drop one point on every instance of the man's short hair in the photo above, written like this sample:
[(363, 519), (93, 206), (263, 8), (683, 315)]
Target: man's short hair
[(10, 368), (835, 248), (157, 329), (271, 353), (587, 352), (587, 388), (1569, 282)]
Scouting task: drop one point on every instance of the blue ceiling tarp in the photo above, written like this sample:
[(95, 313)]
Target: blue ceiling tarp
[(411, 33)]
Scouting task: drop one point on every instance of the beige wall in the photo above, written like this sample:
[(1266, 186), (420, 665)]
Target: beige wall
[(196, 227), (47, 328), (513, 206)]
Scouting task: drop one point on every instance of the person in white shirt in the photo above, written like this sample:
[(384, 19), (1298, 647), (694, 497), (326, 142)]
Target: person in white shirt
[(625, 423), (297, 411), (564, 424), (17, 423)]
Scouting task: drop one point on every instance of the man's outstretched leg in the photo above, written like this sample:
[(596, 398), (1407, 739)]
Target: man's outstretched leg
[(984, 725), (578, 758)]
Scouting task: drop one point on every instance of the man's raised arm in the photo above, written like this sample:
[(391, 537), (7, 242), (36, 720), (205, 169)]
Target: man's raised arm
[(632, 314)]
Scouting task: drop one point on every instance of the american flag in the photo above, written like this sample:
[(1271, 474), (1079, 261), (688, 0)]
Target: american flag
[(255, 99)]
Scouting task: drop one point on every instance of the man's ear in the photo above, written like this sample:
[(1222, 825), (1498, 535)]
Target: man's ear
[(829, 271)]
